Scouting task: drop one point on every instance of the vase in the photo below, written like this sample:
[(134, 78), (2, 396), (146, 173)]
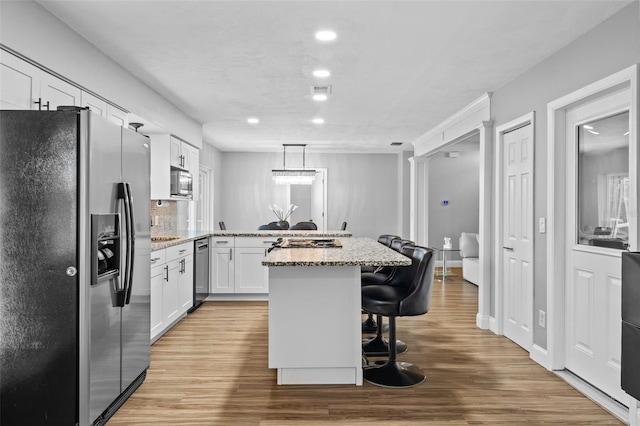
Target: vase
[(283, 224)]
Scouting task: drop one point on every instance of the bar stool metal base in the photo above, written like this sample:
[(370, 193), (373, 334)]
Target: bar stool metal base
[(378, 346), (369, 325), (393, 374)]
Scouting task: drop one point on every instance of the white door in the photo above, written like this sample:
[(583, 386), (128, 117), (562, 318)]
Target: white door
[(517, 235), (598, 172), (317, 196)]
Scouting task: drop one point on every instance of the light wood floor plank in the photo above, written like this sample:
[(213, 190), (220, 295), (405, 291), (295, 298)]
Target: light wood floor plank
[(211, 369)]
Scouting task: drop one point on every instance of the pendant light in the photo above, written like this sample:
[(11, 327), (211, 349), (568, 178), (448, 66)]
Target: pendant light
[(286, 176)]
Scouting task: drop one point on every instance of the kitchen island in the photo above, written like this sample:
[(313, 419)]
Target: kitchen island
[(314, 310)]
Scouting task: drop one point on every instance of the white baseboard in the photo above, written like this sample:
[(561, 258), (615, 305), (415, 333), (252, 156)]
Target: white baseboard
[(450, 263), (493, 326), (483, 321), (612, 406), (541, 356), (244, 297)]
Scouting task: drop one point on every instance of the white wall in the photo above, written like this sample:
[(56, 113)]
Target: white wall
[(29, 29), (362, 190), (608, 48)]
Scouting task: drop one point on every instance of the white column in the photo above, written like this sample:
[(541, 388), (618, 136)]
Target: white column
[(485, 230)]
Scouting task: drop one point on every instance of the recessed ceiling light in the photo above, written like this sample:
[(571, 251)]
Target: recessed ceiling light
[(326, 35), (321, 73), (318, 121), (320, 93), (253, 120)]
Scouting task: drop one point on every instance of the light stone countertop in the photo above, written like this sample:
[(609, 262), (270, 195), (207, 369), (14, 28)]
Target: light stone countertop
[(354, 252), (186, 236)]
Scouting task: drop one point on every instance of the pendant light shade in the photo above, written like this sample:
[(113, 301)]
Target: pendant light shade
[(286, 176)]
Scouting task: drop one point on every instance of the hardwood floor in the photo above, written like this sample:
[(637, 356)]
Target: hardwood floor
[(211, 369)]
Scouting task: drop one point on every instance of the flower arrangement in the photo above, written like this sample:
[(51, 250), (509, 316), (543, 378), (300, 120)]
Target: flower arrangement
[(281, 214)]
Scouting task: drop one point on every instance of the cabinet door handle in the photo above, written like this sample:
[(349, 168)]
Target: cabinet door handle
[(508, 248), (182, 251), (166, 273), (222, 242), (230, 254)]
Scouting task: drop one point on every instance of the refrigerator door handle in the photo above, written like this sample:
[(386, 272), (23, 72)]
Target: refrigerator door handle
[(123, 194), (131, 242)]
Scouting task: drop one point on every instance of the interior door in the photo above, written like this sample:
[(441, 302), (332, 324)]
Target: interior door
[(517, 232), (316, 205), (598, 175)]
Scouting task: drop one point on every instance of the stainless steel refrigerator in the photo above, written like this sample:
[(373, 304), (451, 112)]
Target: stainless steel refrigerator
[(74, 266)]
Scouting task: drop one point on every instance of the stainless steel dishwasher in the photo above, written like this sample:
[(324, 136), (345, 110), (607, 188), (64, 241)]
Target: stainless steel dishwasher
[(201, 275)]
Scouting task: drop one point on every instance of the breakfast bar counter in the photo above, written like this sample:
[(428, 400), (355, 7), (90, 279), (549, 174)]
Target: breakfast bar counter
[(315, 309)]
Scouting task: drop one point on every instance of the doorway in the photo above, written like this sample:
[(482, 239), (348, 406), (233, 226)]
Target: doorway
[(514, 287), (311, 201), (592, 185)]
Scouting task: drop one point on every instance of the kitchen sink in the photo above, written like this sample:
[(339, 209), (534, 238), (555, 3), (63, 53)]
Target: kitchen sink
[(160, 239)]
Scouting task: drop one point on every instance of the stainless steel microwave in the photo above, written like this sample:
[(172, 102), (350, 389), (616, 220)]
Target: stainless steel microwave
[(181, 184)]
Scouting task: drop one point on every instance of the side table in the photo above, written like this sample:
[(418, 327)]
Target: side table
[(445, 272)]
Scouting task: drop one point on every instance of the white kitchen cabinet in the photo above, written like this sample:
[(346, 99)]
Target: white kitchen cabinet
[(171, 287), (167, 151), (170, 293), (185, 284), (117, 115), (94, 103), (176, 159), (158, 274), (237, 265), (192, 163), (160, 169), (25, 86), (222, 269)]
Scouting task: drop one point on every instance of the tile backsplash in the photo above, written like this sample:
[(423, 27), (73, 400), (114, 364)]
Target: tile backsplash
[(168, 216)]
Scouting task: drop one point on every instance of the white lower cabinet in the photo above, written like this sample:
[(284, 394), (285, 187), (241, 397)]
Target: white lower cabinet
[(237, 265), (171, 286)]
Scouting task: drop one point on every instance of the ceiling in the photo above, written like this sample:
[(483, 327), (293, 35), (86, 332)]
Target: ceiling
[(398, 68)]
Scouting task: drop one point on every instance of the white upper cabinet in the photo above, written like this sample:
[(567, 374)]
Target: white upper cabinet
[(117, 115), (25, 86), (95, 104), (18, 85), (160, 167), (55, 92), (168, 151)]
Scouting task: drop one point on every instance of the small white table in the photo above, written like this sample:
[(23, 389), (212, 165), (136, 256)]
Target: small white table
[(445, 272), (315, 329)]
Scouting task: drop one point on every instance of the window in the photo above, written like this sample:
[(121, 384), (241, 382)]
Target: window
[(603, 182)]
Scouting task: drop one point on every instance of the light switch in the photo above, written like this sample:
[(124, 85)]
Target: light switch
[(542, 225)]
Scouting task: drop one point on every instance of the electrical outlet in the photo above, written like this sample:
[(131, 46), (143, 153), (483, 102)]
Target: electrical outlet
[(542, 318)]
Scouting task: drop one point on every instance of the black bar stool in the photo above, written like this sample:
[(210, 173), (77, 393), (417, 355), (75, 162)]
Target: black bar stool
[(408, 293)]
